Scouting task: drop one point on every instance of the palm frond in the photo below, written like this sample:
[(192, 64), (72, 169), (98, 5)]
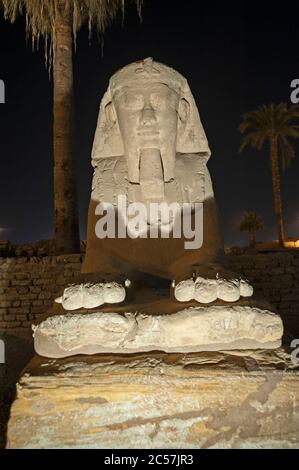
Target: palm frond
[(286, 152), (271, 121), (40, 16), (251, 221), (256, 139)]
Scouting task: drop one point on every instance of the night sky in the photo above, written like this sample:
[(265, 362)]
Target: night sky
[(235, 55)]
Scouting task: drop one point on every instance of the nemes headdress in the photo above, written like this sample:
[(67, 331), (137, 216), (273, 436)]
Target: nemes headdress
[(108, 141)]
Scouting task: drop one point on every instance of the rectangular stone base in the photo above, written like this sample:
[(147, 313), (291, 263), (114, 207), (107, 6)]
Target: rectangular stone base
[(247, 399), (195, 329)]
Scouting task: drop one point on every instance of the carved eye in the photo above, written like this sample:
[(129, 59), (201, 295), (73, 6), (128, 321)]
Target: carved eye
[(133, 101), (163, 101), (158, 101)]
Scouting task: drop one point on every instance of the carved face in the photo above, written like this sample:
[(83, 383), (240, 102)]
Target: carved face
[(148, 119)]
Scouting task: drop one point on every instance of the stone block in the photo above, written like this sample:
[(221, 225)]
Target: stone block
[(9, 317), (246, 399), (22, 276), (13, 324), (4, 282), (21, 283), (21, 317), (39, 282), (14, 310)]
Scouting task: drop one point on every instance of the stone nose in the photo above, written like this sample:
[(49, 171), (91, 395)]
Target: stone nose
[(148, 116)]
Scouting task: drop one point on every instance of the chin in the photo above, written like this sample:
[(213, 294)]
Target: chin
[(149, 141)]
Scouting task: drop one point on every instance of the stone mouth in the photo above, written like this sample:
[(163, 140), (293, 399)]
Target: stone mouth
[(148, 131)]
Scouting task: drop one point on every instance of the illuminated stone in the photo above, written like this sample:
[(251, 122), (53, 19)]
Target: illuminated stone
[(246, 399)]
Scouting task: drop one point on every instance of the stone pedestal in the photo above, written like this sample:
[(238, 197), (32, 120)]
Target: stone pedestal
[(247, 399), (194, 329)]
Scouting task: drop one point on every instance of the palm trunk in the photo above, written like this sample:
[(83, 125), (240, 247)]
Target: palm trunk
[(252, 237), (276, 188), (65, 194)]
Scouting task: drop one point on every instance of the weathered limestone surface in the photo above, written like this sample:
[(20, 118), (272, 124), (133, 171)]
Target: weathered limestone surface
[(208, 290), (91, 295), (189, 330), (197, 400)]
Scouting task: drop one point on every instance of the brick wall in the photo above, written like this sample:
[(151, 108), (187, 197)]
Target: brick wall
[(275, 276), (29, 285)]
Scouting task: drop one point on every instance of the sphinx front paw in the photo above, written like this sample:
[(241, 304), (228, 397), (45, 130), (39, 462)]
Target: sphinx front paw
[(91, 295), (208, 290)]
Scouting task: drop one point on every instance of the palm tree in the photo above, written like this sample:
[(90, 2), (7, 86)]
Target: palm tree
[(275, 124), (57, 22), (251, 223)]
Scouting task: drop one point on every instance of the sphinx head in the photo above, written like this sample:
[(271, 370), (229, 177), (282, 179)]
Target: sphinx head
[(148, 106)]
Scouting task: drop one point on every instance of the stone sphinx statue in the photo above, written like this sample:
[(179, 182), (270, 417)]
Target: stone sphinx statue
[(150, 146), (150, 157)]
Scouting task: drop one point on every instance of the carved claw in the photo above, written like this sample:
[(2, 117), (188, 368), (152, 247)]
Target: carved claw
[(91, 295), (208, 290)]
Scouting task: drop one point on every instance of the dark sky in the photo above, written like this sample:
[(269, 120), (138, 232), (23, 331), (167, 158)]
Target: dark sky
[(235, 55)]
